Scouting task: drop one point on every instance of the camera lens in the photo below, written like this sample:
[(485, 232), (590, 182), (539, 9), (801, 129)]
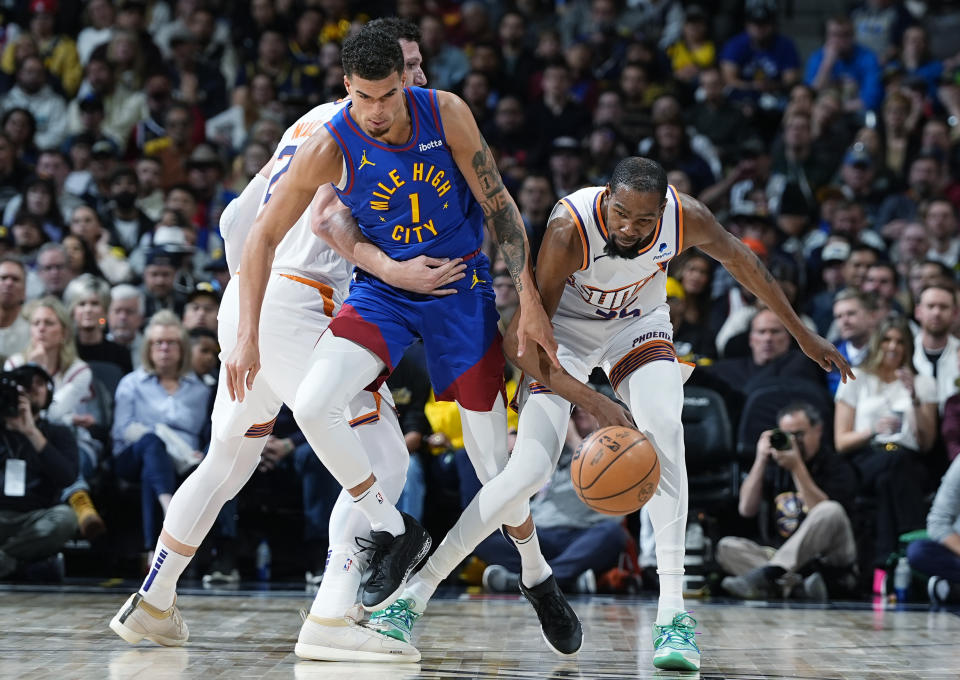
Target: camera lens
[(780, 440)]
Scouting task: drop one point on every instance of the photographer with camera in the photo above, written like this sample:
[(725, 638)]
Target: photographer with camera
[(39, 460), (802, 488)]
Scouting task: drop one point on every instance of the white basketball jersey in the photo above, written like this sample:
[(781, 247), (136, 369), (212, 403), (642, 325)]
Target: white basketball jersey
[(301, 252), (607, 288)]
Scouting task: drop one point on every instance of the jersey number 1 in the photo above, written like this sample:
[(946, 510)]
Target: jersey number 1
[(287, 153)]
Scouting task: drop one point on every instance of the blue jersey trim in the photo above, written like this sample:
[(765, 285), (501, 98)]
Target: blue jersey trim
[(435, 105), (347, 158)]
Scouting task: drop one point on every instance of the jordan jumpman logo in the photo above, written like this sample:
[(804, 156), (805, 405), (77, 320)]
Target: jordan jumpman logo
[(476, 280), (364, 161)]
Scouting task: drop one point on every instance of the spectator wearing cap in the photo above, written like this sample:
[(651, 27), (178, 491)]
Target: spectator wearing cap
[(58, 52), (119, 106), (566, 166), (760, 60), (125, 319), (46, 106), (88, 299), (940, 221), (205, 177), (100, 17), (127, 223), (158, 282), (833, 258), (857, 181), (103, 163), (201, 308), (844, 64), (897, 209)]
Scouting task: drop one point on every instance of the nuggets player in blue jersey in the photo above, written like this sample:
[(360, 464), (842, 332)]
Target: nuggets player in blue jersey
[(419, 179)]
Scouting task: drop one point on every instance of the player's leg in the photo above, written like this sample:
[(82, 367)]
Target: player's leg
[(505, 498), (657, 414), (339, 369), (238, 434), (330, 633)]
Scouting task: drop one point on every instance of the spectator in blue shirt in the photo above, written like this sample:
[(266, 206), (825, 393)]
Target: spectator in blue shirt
[(844, 64), (161, 410), (760, 60)]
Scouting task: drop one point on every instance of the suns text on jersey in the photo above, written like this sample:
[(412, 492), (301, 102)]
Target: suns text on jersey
[(423, 178)]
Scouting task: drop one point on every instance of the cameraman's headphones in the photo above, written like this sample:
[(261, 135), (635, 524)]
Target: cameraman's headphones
[(24, 376)]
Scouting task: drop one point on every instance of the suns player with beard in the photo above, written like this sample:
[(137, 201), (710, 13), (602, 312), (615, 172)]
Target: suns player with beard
[(308, 283), (602, 272)]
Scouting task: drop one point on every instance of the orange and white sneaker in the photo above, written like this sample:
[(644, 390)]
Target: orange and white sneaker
[(137, 619)]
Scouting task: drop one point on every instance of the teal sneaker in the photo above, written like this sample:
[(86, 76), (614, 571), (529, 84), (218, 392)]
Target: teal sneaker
[(397, 620), (674, 647)]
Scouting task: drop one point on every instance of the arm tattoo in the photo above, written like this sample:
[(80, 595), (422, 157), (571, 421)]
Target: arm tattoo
[(762, 269), (500, 213)]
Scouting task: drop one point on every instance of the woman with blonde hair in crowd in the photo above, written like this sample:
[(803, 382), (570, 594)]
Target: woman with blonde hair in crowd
[(161, 409), (52, 347), (885, 420)]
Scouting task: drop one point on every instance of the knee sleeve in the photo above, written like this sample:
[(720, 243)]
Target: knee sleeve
[(339, 369)]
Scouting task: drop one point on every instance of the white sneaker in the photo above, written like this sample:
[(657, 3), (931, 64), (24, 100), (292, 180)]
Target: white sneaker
[(342, 640), (137, 620)]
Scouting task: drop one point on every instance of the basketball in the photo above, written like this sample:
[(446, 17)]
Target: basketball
[(615, 470)]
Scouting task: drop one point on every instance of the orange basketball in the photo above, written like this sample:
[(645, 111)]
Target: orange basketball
[(615, 470)]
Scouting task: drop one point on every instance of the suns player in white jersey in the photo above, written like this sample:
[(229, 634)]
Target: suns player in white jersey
[(308, 282), (602, 270)]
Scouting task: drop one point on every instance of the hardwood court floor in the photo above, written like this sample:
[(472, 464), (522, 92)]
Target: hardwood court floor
[(61, 634)]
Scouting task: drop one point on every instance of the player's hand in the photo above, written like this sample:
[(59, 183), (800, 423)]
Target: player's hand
[(825, 354), (243, 364), (609, 413), (427, 275), (534, 325)]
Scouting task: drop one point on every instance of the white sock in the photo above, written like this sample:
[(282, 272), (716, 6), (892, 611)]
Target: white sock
[(671, 595), (534, 567), (341, 580), (419, 591), (160, 587), (381, 514)]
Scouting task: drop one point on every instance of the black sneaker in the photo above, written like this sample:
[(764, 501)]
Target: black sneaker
[(558, 622), (394, 557)]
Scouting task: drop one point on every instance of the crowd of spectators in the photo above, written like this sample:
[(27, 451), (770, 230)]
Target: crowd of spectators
[(128, 125)]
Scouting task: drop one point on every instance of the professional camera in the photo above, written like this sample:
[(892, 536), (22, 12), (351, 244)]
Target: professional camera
[(9, 396), (21, 379), (780, 440)]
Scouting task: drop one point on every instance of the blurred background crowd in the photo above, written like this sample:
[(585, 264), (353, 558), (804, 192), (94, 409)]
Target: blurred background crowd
[(823, 135)]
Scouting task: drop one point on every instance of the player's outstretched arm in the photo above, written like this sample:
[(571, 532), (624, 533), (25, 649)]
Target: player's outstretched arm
[(288, 195), (701, 230), (332, 221), (561, 254), (479, 168)]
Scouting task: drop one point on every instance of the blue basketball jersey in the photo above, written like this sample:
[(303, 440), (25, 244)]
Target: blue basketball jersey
[(412, 199)]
